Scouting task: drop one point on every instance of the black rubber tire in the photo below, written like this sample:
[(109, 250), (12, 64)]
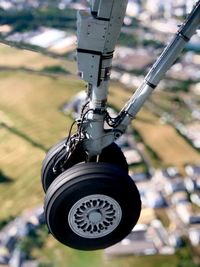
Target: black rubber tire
[(47, 174), (86, 180), (111, 154)]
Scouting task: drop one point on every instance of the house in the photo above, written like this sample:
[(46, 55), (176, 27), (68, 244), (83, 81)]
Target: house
[(170, 172), (123, 141), (160, 233), (155, 199), (194, 236), (194, 43), (130, 80), (5, 29), (147, 216), (179, 197), (184, 211), (190, 184), (182, 71), (10, 242), (4, 255), (175, 240), (132, 59), (17, 258), (30, 263), (136, 243), (193, 133), (194, 219), (195, 198), (193, 170), (74, 106), (64, 45), (6, 5), (133, 9), (47, 37), (132, 156), (174, 185), (139, 176), (195, 88)]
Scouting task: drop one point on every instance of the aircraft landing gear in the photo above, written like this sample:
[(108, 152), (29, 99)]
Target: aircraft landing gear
[(110, 154), (92, 206)]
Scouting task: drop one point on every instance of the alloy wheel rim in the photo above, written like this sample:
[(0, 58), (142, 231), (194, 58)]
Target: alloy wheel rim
[(94, 216)]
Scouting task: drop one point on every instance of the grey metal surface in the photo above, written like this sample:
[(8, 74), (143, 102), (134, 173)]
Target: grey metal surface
[(94, 216)]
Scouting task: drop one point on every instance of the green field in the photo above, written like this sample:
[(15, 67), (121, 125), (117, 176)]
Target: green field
[(61, 256), (32, 104), (15, 58), (30, 122)]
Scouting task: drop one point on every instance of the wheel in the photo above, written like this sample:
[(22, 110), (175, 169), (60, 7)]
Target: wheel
[(47, 174), (111, 154), (92, 206)]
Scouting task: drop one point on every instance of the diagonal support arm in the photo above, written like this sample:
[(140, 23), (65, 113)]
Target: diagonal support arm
[(157, 72)]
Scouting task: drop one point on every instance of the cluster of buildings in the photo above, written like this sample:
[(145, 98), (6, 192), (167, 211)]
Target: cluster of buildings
[(188, 68), (166, 8), (19, 4), (130, 65), (25, 4), (133, 59), (51, 39), (192, 133), (176, 196), (157, 8), (145, 239), (12, 235), (159, 29)]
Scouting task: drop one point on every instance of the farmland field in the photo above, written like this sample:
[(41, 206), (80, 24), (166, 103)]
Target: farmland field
[(171, 148), (20, 167), (32, 103), (30, 122), (163, 139), (15, 58)]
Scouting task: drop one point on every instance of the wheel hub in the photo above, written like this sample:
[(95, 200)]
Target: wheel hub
[(94, 216)]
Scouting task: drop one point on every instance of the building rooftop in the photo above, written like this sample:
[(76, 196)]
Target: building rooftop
[(136, 243), (47, 38), (130, 59)]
